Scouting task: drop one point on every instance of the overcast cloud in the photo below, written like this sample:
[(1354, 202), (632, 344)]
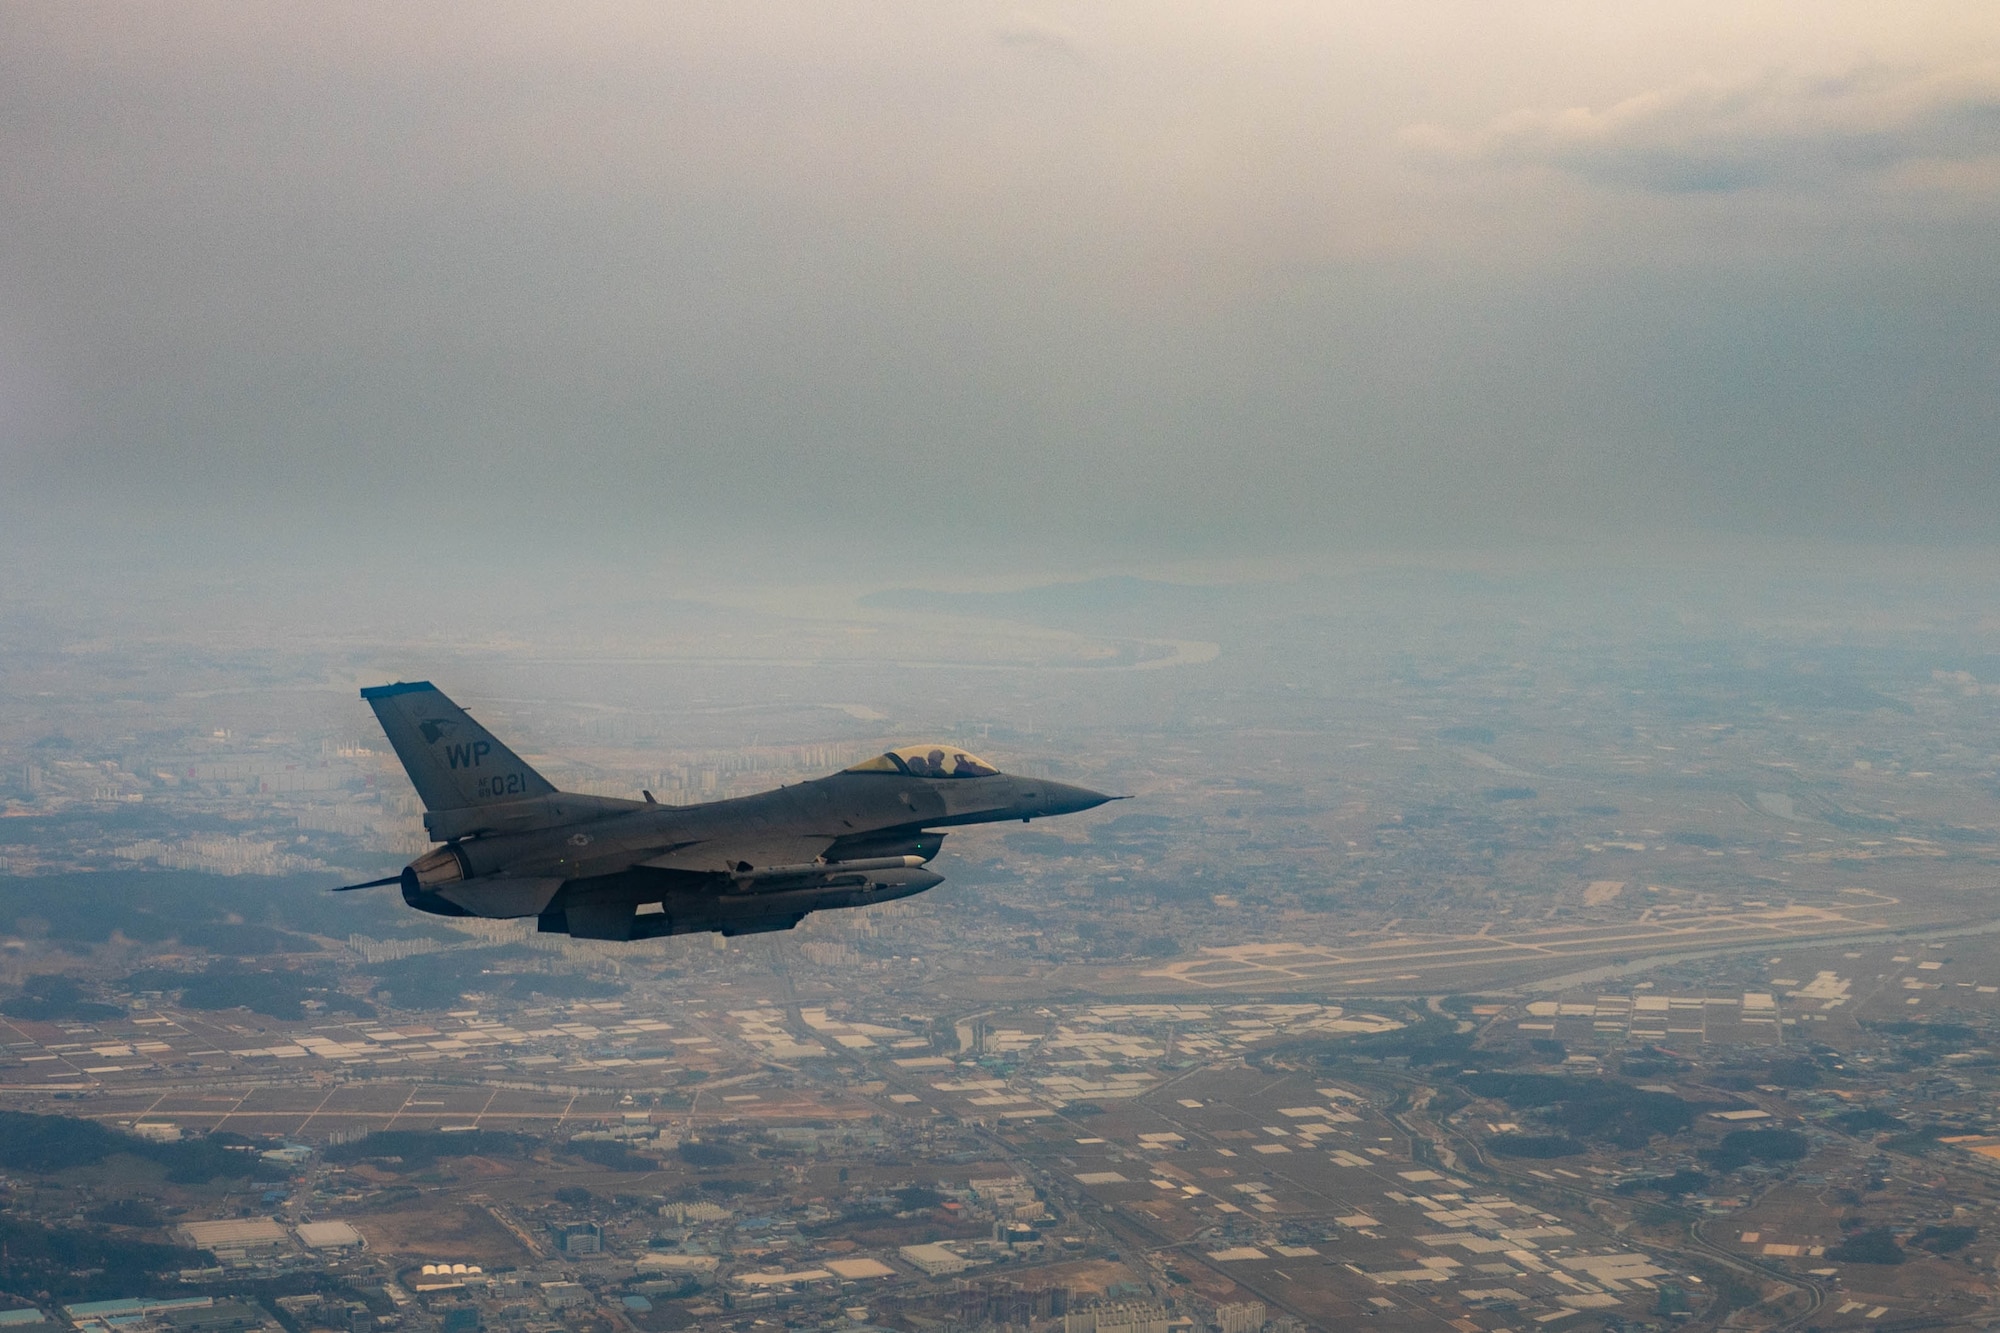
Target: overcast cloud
[(1129, 280), (1770, 128)]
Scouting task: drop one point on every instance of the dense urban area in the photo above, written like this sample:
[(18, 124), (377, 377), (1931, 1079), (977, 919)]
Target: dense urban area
[(1535, 950)]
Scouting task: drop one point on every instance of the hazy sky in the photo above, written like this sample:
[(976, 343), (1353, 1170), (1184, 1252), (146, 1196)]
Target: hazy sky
[(1146, 279)]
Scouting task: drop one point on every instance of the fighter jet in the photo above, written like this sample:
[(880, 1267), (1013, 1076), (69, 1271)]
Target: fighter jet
[(601, 868)]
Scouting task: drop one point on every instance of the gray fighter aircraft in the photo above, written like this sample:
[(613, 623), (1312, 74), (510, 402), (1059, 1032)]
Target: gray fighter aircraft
[(601, 868)]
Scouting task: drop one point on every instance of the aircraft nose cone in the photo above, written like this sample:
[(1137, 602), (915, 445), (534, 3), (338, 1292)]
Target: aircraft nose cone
[(1059, 798)]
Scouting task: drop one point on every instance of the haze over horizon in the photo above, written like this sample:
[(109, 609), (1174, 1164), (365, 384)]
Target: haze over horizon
[(1052, 288)]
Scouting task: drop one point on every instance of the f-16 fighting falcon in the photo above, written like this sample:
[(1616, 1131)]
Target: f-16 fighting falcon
[(601, 868)]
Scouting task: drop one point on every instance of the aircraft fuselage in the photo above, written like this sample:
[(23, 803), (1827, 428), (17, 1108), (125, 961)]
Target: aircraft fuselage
[(602, 868)]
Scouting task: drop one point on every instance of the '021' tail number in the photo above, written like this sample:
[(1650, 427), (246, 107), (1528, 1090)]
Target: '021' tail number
[(502, 784)]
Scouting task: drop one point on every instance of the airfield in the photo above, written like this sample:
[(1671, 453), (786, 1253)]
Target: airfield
[(1178, 1018)]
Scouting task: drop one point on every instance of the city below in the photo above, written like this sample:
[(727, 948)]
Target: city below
[(1500, 973)]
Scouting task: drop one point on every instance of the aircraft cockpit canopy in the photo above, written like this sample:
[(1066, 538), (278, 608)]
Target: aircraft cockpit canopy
[(927, 761)]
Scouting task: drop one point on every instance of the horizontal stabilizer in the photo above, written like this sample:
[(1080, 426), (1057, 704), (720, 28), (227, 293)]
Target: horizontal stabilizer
[(502, 896)]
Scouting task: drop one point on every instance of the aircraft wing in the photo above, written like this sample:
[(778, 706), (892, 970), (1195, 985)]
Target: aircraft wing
[(727, 855)]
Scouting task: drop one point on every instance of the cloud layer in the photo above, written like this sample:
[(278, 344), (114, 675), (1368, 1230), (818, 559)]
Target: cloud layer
[(1119, 279), (1771, 128)]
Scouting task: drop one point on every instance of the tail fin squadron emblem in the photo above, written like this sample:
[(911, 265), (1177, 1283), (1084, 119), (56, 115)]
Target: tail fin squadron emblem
[(454, 762)]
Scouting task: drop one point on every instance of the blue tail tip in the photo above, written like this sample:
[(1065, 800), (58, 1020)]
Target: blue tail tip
[(400, 687)]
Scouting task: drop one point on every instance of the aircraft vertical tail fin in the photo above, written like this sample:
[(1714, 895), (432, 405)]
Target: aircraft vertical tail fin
[(453, 762)]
